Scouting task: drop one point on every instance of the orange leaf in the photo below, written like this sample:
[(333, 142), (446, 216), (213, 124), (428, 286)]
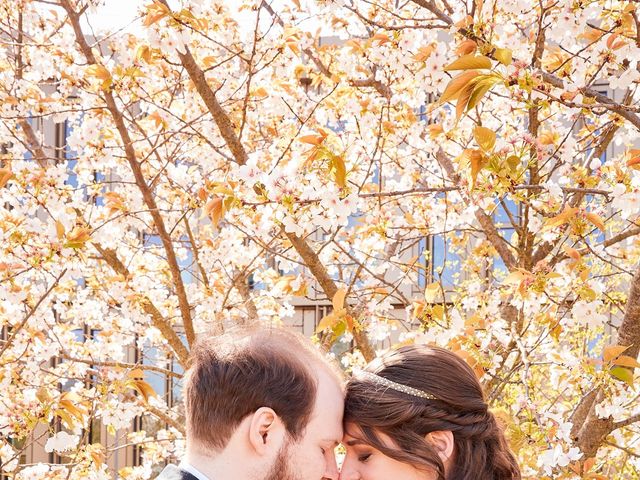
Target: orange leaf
[(260, 92), (115, 202), (339, 170), (484, 137), (157, 119), (517, 276), (355, 45), (144, 53), (569, 96), (101, 73), (626, 361), (329, 321), (424, 53), (504, 56), (311, 139), (465, 22), (209, 61), (418, 308), (78, 237), (469, 62), (338, 299), (634, 162), (59, 229), (591, 35), (548, 137), (155, 12), (215, 210), (4, 266), (611, 42), (143, 388), (457, 84), (5, 176), (567, 214), (293, 46), (465, 48), (136, 373), (478, 161), (463, 99), (613, 351), (596, 220), (382, 38), (572, 252), (589, 463), (435, 129)]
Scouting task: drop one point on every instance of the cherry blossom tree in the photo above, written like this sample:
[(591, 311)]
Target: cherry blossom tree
[(462, 173)]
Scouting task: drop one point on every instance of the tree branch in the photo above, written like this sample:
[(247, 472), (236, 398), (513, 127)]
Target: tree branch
[(486, 223), (240, 282), (226, 127), (156, 412), (594, 430), (151, 368), (329, 287), (130, 153), (547, 77), (626, 422), (233, 142), (21, 325), (158, 320)]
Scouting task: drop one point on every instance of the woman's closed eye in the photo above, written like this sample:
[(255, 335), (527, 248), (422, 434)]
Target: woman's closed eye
[(364, 457)]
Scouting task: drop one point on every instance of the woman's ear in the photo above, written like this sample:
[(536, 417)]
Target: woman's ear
[(266, 431), (443, 442)]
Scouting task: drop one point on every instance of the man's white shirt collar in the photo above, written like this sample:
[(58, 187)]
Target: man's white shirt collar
[(192, 470)]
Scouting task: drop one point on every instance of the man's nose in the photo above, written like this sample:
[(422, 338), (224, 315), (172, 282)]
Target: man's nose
[(331, 472), (347, 472)]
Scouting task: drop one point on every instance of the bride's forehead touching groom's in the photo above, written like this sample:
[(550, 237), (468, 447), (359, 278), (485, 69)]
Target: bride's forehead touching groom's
[(263, 405)]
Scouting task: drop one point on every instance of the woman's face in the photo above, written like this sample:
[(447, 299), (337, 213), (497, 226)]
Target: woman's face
[(363, 462)]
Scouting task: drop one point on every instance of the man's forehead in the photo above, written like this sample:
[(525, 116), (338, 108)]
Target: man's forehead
[(326, 423), (326, 419)]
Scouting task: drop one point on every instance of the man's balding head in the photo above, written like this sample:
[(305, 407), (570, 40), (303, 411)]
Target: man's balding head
[(233, 375)]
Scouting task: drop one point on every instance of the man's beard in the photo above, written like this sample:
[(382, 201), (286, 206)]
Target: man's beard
[(281, 469)]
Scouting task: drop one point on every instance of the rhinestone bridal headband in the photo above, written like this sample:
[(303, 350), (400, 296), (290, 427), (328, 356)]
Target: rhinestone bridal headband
[(377, 379)]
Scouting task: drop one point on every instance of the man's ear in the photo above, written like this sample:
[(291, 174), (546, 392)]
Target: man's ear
[(266, 431), (443, 442)]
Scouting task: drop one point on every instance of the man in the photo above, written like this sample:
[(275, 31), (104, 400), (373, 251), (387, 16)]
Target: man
[(260, 405)]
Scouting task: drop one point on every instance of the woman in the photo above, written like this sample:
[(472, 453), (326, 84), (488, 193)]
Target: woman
[(418, 413)]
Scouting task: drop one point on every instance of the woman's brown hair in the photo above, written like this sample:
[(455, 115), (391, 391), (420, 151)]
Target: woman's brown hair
[(481, 451)]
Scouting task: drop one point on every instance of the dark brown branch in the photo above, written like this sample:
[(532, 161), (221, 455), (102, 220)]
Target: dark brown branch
[(241, 284), (380, 87), (226, 127), (593, 431), (233, 142), (156, 412), (130, 153), (485, 221), (626, 422), (329, 287), (148, 307)]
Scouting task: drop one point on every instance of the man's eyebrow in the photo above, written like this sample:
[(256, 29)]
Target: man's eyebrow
[(332, 441)]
